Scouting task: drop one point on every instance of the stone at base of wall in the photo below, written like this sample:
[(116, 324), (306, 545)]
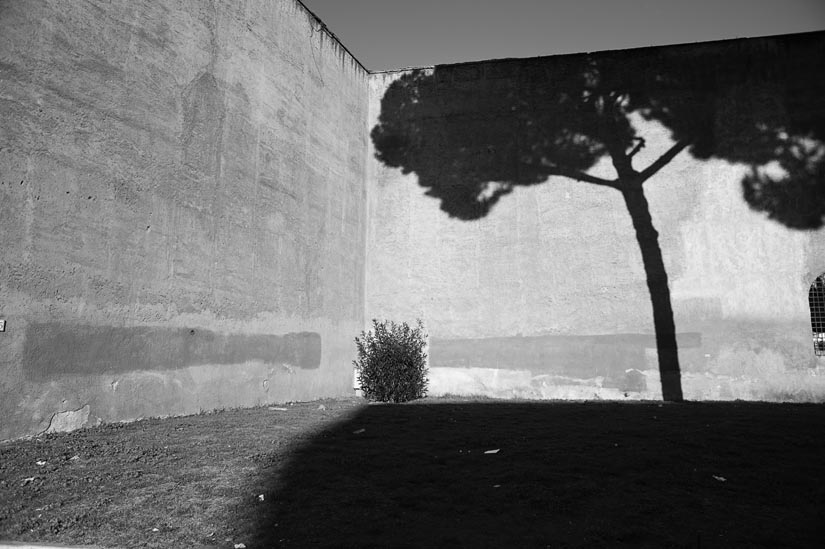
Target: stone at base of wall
[(63, 422)]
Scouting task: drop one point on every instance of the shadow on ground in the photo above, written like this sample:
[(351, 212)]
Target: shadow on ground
[(563, 475)]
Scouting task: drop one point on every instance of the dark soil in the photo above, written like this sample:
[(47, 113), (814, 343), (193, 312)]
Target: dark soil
[(346, 474)]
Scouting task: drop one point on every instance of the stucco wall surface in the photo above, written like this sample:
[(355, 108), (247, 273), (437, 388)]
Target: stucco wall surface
[(182, 202), (545, 295)]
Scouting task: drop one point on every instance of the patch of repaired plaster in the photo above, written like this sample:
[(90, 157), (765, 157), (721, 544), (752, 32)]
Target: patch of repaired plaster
[(609, 357), (503, 383), (54, 349)]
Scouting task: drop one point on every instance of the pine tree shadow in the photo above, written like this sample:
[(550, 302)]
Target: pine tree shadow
[(473, 132)]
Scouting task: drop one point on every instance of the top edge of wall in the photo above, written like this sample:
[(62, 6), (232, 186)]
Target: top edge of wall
[(598, 52), (325, 30)]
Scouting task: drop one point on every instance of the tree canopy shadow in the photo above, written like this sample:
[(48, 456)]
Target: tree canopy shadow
[(519, 474), (473, 132)]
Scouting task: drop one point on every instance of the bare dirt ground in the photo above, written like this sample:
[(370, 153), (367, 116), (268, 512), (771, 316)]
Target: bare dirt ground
[(432, 473)]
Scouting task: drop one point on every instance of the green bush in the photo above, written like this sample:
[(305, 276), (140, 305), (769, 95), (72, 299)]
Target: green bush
[(392, 364)]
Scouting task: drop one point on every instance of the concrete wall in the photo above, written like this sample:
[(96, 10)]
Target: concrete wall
[(194, 217), (182, 201), (545, 295)]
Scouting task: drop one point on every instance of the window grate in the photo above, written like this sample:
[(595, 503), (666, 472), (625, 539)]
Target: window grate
[(816, 300)]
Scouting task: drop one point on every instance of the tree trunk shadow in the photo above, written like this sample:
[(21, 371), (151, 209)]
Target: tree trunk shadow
[(657, 284)]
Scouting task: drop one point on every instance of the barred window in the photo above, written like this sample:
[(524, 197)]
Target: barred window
[(816, 300)]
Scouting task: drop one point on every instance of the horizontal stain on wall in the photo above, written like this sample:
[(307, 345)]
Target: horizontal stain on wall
[(585, 356), (55, 349)]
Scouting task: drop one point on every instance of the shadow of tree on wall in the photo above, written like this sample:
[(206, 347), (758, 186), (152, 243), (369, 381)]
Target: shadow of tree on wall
[(473, 132), (558, 474)]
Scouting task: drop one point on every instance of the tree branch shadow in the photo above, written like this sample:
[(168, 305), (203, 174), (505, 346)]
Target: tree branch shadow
[(473, 132)]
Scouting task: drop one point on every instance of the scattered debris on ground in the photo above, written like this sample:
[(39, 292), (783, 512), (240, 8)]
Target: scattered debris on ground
[(569, 474)]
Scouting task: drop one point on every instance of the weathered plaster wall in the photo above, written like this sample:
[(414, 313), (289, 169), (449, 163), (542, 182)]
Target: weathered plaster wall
[(192, 212), (182, 205), (546, 296)]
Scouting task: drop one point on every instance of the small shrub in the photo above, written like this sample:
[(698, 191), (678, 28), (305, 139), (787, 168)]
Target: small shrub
[(392, 364)]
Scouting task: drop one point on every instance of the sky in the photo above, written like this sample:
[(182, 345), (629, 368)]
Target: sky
[(392, 34)]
